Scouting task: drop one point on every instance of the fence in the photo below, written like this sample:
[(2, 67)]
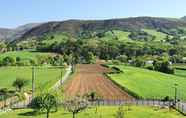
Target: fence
[(181, 107), (131, 102)]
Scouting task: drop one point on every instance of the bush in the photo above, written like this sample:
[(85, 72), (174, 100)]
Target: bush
[(116, 62), (8, 61), (122, 58), (138, 62), (163, 66), (150, 67)]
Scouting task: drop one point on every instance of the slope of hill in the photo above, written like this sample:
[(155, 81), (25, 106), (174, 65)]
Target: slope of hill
[(4, 33), (13, 34), (183, 18), (75, 27)]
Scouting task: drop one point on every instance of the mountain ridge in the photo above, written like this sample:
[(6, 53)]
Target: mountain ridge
[(75, 27)]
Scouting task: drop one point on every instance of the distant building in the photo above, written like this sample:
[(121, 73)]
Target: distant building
[(149, 62)]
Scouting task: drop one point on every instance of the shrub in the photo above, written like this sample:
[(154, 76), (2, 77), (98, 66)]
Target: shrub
[(8, 61), (122, 58)]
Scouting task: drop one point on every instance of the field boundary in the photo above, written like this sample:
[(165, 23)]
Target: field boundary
[(64, 78)]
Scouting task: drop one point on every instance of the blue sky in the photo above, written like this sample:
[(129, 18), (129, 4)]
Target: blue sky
[(19, 12)]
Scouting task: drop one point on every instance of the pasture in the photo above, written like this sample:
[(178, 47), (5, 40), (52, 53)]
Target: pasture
[(149, 84), (45, 77), (103, 112), (159, 35), (24, 55)]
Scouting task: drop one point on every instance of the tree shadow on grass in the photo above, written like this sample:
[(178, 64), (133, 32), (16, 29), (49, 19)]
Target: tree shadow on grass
[(30, 113), (33, 113)]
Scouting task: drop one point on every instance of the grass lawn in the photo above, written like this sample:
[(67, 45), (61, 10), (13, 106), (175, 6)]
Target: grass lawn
[(149, 84), (25, 55), (45, 76), (181, 73), (103, 112)]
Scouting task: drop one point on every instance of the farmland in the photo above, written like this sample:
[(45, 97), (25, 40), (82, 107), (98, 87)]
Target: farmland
[(25, 55), (45, 76), (90, 78), (104, 112), (149, 84)]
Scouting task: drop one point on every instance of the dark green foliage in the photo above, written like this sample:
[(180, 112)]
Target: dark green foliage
[(138, 62), (45, 102), (37, 103), (122, 58), (19, 83), (8, 61), (163, 66), (120, 112)]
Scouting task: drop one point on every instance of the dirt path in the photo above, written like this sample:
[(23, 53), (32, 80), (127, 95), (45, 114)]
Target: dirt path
[(89, 78)]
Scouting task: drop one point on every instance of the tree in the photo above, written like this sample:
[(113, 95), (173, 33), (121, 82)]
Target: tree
[(90, 58), (3, 47), (19, 83), (163, 66), (45, 102), (8, 61), (122, 58), (75, 105), (138, 62)]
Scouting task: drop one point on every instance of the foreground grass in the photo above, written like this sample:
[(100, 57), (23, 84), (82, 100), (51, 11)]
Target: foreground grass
[(45, 76), (150, 84), (103, 112)]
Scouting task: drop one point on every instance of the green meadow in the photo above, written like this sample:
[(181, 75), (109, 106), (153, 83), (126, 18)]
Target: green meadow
[(149, 84), (103, 112), (45, 77)]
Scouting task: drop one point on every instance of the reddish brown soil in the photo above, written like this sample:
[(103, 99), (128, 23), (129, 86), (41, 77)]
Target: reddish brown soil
[(89, 78)]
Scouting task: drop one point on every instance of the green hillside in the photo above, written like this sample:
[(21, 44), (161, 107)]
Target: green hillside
[(117, 34), (149, 84), (159, 35)]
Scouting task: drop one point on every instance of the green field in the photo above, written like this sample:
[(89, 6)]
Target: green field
[(181, 73), (150, 84), (103, 112), (56, 38), (159, 35), (24, 55), (45, 76), (121, 35)]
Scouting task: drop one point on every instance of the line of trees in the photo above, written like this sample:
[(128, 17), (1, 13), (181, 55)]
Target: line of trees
[(87, 49)]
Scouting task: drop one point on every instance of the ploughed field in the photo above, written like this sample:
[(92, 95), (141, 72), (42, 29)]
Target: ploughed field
[(90, 78)]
